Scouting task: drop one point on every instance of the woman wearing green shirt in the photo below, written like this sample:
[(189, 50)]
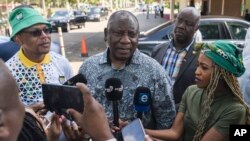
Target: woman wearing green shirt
[(208, 108)]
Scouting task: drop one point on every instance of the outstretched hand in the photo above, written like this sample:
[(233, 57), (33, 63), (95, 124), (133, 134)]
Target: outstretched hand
[(93, 120), (71, 130)]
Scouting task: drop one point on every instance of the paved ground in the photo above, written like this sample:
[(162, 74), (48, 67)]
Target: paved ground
[(145, 24)]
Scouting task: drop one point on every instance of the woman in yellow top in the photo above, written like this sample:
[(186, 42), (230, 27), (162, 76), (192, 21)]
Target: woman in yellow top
[(209, 108)]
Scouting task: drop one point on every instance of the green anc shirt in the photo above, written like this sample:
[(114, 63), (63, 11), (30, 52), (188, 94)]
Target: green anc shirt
[(225, 110), (30, 76)]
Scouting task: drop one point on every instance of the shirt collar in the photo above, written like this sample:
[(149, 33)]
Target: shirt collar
[(28, 63), (133, 60), (186, 48)]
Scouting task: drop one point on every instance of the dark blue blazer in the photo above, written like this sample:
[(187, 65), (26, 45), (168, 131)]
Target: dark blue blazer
[(186, 75), (8, 49)]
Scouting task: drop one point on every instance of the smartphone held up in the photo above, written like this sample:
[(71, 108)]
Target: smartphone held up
[(59, 98)]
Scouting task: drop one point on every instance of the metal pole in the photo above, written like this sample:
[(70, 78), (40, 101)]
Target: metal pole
[(242, 12), (44, 8), (67, 5), (222, 7), (7, 7), (111, 4), (61, 41), (171, 9), (7, 27), (117, 6), (209, 7), (120, 3), (77, 4)]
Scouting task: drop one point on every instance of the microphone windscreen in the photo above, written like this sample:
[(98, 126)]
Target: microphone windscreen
[(79, 78), (113, 89), (142, 99)]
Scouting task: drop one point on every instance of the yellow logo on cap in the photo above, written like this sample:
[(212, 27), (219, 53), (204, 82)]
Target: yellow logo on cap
[(19, 16)]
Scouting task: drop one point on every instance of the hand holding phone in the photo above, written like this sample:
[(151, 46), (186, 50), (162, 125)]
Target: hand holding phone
[(134, 131), (59, 98)]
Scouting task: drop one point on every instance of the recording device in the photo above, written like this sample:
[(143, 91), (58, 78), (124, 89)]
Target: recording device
[(75, 79), (59, 98), (142, 100), (134, 131), (113, 92)]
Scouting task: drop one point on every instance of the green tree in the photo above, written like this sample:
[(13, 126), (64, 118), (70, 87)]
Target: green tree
[(149, 1), (72, 1), (94, 2)]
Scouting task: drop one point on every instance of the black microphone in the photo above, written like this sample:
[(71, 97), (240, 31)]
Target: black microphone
[(142, 100), (75, 79), (113, 92)]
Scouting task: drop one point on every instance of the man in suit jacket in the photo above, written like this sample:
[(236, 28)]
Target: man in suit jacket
[(8, 49), (177, 56)]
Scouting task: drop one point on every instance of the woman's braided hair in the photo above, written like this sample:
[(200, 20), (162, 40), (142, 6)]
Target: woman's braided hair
[(232, 82)]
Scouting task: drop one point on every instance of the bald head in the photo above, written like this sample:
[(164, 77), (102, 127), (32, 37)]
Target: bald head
[(186, 24), (122, 15), (192, 12)]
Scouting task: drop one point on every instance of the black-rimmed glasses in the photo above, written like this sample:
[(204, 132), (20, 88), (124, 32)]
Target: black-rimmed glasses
[(36, 32)]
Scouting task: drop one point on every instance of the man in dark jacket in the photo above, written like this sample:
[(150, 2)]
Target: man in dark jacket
[(8, 49), (176, 56)]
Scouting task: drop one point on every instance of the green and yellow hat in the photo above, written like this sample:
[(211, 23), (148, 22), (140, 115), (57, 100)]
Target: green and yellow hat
[(25, 17), (226, 55)]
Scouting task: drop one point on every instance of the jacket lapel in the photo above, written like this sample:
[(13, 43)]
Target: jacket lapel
[(186, 61)]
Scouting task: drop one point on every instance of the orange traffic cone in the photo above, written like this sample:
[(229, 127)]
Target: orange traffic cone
[(84, 50)]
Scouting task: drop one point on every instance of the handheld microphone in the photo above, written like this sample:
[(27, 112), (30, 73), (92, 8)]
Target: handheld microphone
[(113, 92), (75, 79), (142, 100)]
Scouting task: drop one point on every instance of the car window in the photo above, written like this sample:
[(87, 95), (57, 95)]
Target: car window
[(238, 30), (154, 30), (95, 10), (210, 31), (77, 13), (60, 14)]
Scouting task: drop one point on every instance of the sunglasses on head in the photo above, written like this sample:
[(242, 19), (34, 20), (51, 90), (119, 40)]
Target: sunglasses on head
[(38, 32)]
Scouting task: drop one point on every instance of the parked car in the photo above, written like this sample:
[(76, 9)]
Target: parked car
[(9, 48), (140, 7), (211, 27), (98, 14), (67, 19)]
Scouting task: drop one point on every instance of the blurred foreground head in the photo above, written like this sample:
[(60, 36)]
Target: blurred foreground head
[(11, 109)]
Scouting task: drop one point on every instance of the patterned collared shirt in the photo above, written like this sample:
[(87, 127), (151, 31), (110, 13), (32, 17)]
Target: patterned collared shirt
[(173, 59), (140, 71), (30, 75)]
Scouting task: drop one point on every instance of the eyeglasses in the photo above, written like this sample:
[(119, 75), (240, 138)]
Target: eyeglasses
[(38, 32)]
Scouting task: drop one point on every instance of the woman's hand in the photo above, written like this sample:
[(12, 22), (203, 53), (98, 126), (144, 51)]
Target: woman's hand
[(93, 120), (122, 124), (71, 130), (54, 128)]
